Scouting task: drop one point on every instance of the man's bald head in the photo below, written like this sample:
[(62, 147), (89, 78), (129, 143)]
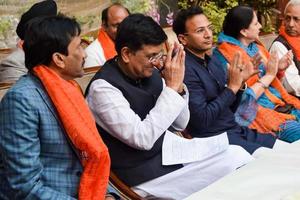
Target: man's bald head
[(112, 17)]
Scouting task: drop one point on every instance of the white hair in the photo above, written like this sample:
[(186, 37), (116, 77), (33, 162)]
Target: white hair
[(292, 3)]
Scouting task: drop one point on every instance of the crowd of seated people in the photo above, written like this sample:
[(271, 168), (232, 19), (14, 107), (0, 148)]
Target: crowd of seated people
[(56, 143), (266, 106)]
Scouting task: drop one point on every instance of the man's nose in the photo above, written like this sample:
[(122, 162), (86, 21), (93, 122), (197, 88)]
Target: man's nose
[(291, 22), (84, 54), (208, 33)]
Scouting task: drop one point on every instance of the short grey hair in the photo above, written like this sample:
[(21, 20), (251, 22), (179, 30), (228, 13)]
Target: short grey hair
[(292, 3)]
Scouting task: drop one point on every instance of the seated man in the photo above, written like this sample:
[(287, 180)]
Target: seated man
[(50, 147), (135, 110), (289, 40), (103, 48), (213, 101), (13, 66)]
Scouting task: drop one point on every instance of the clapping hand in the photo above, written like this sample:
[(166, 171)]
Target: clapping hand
[(272, 64), (285, 61), (251, 68), (174, 68), (235, 69), (238, 72)]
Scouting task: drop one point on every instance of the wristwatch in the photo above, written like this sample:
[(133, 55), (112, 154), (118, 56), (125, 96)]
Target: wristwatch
[(182, 92)]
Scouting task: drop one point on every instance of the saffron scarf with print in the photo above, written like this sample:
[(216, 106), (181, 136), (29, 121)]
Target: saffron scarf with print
[(107, 44), (81, 129), (266, 120), (294, 42)]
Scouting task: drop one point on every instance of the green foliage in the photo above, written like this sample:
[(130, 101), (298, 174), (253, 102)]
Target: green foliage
[(5, 26), (135, 6), (86, 20), (184, 4), (216, 14)]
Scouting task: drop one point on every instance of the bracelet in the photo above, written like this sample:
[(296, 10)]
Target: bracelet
[(280, 74), (262, 84)]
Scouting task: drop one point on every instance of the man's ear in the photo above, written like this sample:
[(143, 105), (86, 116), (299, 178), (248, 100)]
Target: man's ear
[(58, 60), (182, 39), (104, 25), (125, 54)]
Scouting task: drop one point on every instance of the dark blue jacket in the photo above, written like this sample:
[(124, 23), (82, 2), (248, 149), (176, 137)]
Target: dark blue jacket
[(212, 105)]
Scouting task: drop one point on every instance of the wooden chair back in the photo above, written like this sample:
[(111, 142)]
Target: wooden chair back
[(125, 192), (3, 88)]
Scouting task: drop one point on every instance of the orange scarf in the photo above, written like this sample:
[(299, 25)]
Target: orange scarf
[(107, 44), (294, 42), (81, 129), (266, 120)]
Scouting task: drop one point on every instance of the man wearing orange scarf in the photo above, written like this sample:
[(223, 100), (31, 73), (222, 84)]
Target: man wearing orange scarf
[(103, 48), (289, 39), (50, 147)]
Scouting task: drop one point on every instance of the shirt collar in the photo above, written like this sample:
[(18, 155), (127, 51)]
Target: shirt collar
[(201, 61)]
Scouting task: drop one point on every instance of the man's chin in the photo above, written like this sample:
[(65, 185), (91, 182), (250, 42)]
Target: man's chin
[(207, 47), (207, 50), (80, 74), (147, 74)]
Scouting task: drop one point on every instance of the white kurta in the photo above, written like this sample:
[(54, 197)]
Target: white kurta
[(291, 80), (113, 113), (95, 55)]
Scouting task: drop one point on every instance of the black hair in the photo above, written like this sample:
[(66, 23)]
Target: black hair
[(182, 16), (47, 35), (104, 13), (238, 18), (43, 8), (137, 30)]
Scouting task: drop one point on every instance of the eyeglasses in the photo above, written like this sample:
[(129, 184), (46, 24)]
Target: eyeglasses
[(158, 57), (201, 30), (158, 61)]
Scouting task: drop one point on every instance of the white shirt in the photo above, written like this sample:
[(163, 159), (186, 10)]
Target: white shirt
[(291, 80), (95, 55), (113, 113)]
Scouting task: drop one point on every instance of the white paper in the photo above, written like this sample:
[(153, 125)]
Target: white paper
[(179, 150)]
